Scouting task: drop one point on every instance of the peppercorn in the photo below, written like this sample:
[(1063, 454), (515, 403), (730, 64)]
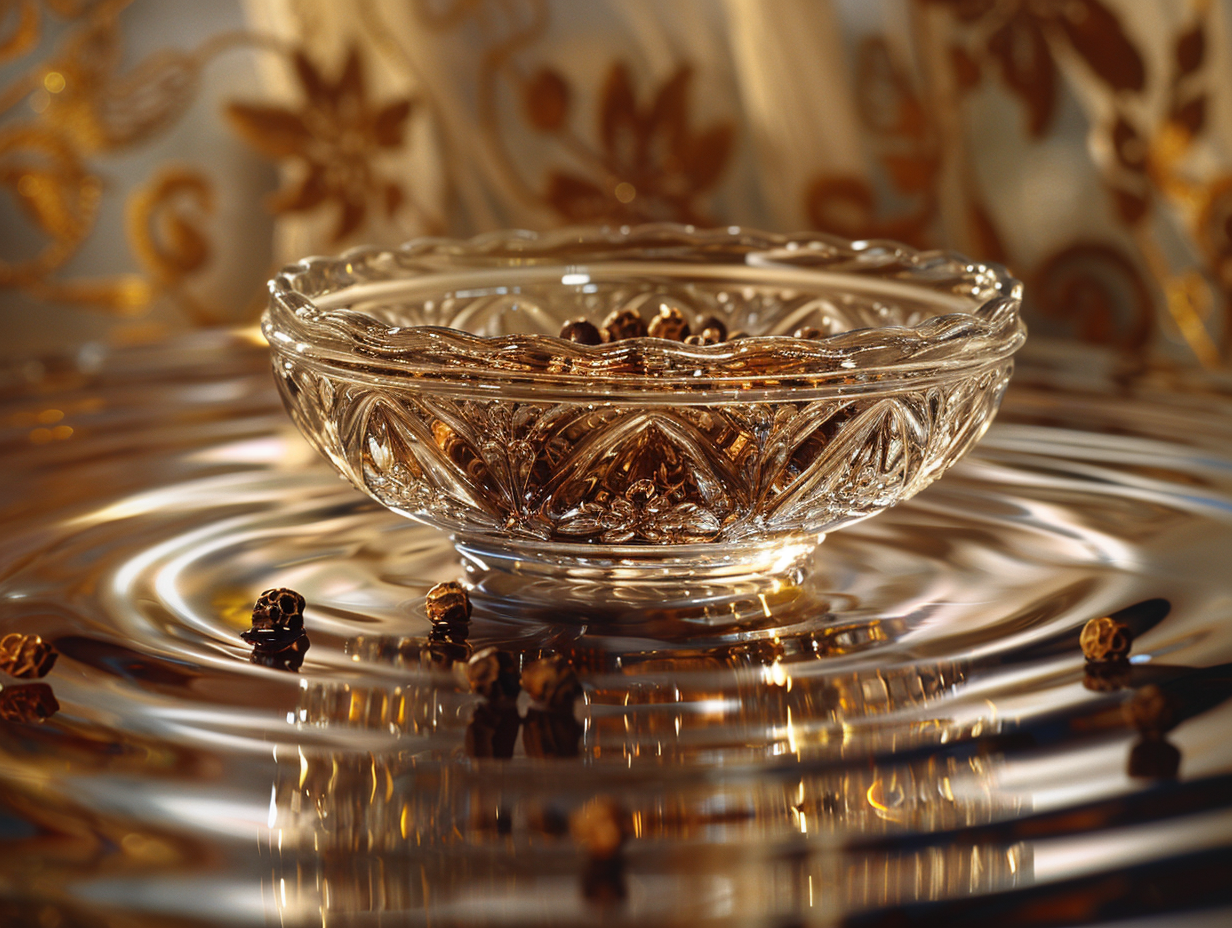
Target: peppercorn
[(1149, 711), (448, 603), (669, 323), (1105, 639), (493, 674), (580, 332), (600, 827), (24, 656), (279, 608), (551, 682), (30, 702), (807, 332), (621, 324), (713, 324), (705, 338)]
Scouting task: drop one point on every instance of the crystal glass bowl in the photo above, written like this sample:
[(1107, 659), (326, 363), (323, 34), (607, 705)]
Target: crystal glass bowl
[(433, 377)]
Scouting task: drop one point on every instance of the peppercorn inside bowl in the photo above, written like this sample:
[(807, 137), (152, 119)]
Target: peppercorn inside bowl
[(646, 402)]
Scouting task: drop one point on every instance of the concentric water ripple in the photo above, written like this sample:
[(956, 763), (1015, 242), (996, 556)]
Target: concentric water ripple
[(906, 737)]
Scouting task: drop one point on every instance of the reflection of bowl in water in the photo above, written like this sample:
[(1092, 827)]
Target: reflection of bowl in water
[(432, 377)]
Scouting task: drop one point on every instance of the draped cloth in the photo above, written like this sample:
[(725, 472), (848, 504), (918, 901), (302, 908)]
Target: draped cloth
[(1083, 143)]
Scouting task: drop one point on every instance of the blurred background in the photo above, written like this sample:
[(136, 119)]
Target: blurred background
[(159, 159)]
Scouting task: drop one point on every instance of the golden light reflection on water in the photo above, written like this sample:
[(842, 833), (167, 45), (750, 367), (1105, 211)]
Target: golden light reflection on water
[(909, 726)]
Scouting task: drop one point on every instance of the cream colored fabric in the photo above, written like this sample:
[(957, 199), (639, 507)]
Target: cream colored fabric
[(1083, 142)]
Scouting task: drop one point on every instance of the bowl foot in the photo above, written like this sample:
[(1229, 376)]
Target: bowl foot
[(713, 584)]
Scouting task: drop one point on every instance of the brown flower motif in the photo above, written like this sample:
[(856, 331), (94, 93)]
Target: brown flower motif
[(652, 165), (334, 136), (1017, 34), (1094, 291)]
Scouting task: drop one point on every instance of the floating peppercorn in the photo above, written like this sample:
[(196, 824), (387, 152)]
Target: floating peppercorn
[(1154, 759), (279, 608), (25, 656), (30, 702), (807, 332), (581, 332), (621, 324), (715, 325), (277, 634), (705, 338), (493, 674), (551, 682), (1105, 639), (448, 603), (669, 323), (600, 827), (1149, 711)]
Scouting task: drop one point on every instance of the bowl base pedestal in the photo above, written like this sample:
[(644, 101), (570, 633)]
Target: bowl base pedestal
[(712, 584)]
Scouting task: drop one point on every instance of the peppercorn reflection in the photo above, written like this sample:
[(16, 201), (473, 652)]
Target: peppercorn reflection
[(27, 702), (413, 831), (468, 803)]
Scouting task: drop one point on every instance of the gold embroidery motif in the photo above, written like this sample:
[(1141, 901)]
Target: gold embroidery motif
[(164, 233), (23, 34), (84, 105), (643, 161), (55, 192)]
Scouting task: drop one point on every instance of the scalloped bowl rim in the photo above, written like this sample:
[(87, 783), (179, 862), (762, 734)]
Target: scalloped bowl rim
[(318, 328)]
